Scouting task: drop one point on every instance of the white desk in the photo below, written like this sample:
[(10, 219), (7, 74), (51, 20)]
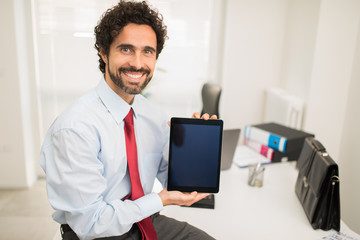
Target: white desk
[(244, 212)]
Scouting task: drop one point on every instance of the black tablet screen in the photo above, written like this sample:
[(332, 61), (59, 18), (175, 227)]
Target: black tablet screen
[(195, 152)]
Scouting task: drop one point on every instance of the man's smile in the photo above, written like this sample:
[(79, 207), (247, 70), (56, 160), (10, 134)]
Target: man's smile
[(134, 76), (137, 75)]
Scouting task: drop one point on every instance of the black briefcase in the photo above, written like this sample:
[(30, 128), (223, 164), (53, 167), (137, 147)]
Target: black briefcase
[(317, 186)]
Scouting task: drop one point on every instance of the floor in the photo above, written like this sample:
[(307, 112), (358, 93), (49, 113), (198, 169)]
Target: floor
[(26, 214)]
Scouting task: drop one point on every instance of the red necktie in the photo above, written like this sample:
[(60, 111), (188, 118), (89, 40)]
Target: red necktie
[(145, 225)]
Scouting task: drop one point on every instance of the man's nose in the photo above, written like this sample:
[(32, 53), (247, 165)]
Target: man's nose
[(137, 61)]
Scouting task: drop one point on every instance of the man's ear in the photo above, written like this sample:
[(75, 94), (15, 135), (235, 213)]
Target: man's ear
[(103, 56)]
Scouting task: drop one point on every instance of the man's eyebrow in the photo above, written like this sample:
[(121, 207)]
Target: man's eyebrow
[(150, 48), (125, 45)]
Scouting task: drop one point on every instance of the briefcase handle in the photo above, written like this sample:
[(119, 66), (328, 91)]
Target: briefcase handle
[(318, 146)]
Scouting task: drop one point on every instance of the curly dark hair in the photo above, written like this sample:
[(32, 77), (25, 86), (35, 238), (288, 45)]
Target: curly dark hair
[(116, 18)]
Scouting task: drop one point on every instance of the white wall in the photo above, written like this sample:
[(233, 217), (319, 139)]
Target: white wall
[(19, 132), (254, 37), (299, 45), (332, 69), (349, 156)]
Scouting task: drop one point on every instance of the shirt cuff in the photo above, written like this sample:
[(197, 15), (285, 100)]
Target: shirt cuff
[(149, 204)]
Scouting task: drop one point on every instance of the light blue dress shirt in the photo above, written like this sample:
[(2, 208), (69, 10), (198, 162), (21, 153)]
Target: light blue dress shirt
[(84, 158)]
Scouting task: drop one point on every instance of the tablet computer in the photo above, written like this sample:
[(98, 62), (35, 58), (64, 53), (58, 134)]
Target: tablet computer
[(195, 155)]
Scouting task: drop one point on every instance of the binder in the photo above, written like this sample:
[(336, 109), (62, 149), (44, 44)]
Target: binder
[(277, 136), (265, 137), (272, 154)]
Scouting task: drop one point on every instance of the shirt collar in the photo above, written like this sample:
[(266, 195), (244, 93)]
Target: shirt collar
[(117, 107)]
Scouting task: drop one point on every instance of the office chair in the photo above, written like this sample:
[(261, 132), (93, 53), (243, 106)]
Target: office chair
[(210, 94)]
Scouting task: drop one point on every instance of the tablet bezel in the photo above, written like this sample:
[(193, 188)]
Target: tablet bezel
[(195, 121)]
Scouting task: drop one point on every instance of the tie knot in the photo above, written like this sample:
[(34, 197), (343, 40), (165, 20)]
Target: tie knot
[(129, 117)]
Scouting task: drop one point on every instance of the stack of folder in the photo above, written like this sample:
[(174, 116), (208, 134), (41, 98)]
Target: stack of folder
[(275, 141)]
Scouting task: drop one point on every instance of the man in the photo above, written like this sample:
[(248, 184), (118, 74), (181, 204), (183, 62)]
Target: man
[(101, 156)]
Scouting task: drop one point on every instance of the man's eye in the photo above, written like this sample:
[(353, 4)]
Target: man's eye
[(125, 50), (148, 51)]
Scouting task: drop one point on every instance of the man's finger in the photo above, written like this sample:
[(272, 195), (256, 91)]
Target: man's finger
[(205, 116), (196, 115)]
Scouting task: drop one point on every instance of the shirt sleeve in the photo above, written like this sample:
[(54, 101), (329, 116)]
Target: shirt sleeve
[(75, 184), (162, 174)]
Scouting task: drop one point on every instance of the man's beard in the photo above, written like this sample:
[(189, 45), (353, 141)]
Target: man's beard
[(131, 89)]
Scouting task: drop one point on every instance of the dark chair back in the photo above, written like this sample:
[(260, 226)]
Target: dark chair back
[(210, 94)]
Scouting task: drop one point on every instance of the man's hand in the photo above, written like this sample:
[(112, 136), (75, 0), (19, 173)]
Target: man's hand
[(180, 198), (205, 116)]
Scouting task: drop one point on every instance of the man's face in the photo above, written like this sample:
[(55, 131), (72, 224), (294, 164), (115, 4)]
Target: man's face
[(131, 60)]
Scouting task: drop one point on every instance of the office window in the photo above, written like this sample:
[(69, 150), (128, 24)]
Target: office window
[(68, 64)]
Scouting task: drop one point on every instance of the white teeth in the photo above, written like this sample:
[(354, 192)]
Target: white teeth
[(133, 76)]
